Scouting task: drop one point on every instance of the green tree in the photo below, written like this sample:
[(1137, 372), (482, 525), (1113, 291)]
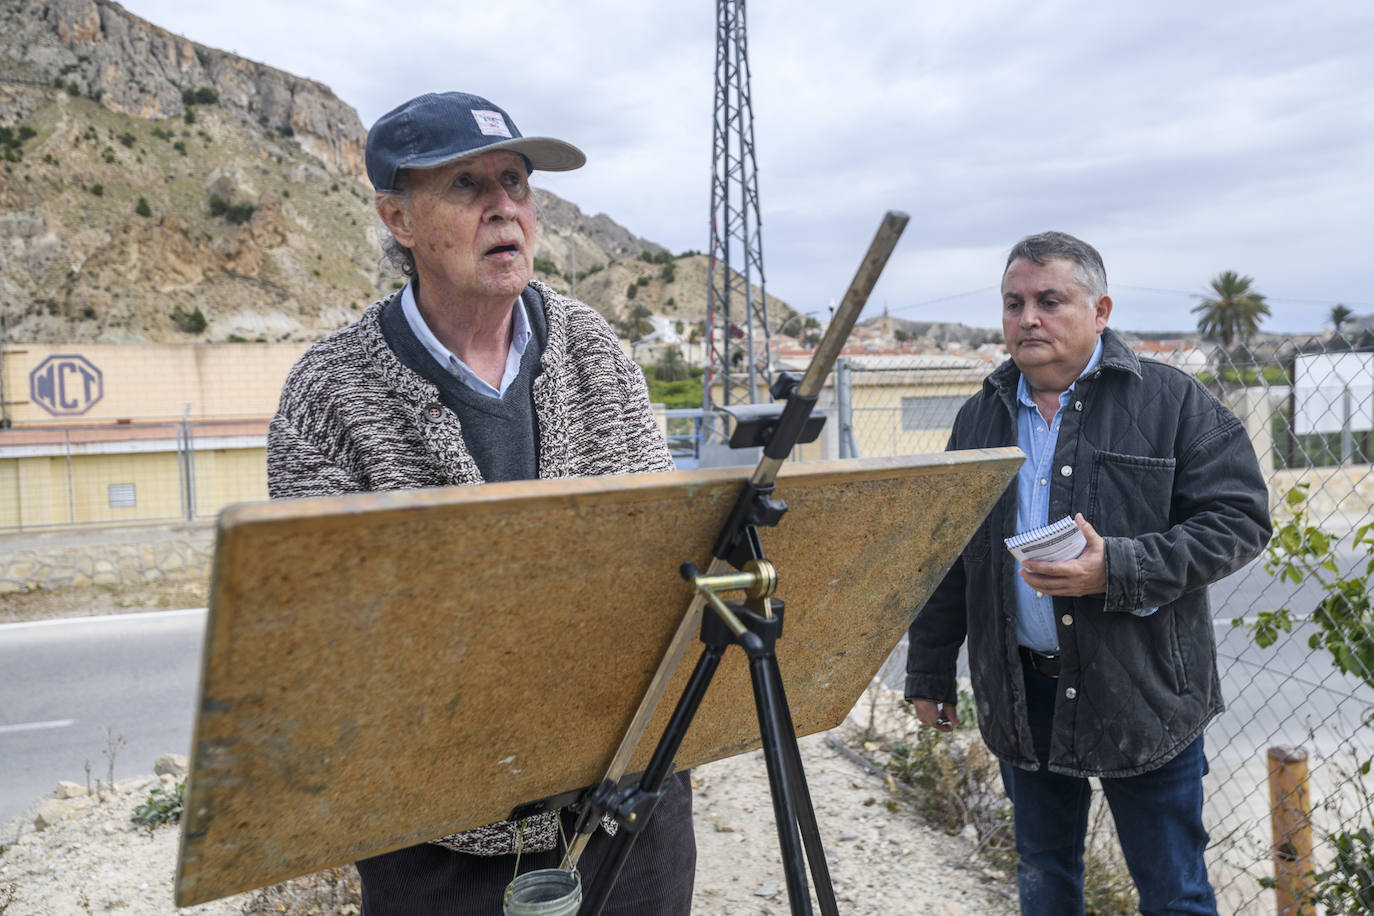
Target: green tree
[(1339, 316), (640, 324), (1233, 311), (671, 367)]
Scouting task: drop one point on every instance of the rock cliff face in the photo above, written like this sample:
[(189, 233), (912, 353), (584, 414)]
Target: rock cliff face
[(134, 68), (156, 190)]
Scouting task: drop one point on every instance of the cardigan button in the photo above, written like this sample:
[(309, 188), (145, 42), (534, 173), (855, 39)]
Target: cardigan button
[(1070, 693), (1077, 405), (1066, 471), (1067, 620), (434, 411)]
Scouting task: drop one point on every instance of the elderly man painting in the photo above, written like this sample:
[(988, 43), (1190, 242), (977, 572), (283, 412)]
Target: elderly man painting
[(475, 372), (1103, 665)]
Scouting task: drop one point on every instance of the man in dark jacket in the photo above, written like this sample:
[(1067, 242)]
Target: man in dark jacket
[(1103, 665)]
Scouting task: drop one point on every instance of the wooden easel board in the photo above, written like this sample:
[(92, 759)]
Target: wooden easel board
[(383, 669)]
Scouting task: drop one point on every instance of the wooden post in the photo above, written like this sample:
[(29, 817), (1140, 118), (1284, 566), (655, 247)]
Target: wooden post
[(1290, 806)]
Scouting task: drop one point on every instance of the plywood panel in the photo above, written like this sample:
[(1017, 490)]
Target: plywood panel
[(382, 669)]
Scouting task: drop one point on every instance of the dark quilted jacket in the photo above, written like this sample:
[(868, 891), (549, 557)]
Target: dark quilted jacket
[(1168, 477), (352, 418)]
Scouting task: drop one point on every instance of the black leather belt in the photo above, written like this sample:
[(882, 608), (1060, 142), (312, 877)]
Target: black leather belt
[(1047, 665)]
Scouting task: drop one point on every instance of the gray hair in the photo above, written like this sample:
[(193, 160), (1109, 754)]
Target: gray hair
[(393, 252), (1089, 271)]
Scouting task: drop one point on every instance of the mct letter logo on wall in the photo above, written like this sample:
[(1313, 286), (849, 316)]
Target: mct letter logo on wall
[(66, 385)]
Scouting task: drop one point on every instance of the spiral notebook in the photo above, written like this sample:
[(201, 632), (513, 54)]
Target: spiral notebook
[(1059, 540)]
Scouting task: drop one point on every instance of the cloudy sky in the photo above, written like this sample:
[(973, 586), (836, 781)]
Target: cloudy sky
[(1181, 138)]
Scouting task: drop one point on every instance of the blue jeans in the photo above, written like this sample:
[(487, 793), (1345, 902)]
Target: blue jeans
[(1158, 819)]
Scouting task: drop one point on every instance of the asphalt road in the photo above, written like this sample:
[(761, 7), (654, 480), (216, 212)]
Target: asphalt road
[(66, 681)]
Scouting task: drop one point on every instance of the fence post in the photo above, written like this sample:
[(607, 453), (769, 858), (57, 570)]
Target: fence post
[(1290, 810), (188, 481), (844, 407)]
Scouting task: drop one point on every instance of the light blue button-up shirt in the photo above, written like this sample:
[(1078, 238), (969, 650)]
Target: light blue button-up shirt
[(1034, 610), (519, 339)]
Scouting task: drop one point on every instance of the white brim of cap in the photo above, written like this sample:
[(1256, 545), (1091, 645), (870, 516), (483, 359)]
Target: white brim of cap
[(544, 153)]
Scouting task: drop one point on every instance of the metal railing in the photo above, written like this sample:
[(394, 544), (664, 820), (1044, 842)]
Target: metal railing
[(128, 473)]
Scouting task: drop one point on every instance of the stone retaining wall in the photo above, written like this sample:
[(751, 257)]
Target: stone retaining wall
[(124, 556)]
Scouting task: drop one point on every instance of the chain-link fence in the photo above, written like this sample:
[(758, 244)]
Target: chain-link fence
[(1309, 409), (124, 473)]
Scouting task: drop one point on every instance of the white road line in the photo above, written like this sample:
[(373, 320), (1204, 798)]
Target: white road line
[(36, 726), (100, 618)]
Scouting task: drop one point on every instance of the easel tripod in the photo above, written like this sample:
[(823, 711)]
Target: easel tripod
[(754, 624)]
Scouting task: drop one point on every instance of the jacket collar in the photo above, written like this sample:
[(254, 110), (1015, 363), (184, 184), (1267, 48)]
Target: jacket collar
[(1116, 356)]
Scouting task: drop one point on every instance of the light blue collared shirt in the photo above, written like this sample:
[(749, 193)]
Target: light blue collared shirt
[(1035, 611), (519, 339)]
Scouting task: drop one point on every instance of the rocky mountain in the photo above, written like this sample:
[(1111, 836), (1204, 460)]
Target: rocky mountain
[(155, 189)]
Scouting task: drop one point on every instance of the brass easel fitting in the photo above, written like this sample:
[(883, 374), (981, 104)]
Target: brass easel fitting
[(758, 579)]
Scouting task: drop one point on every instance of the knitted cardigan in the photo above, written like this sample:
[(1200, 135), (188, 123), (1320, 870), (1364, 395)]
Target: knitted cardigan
[(352, 418)]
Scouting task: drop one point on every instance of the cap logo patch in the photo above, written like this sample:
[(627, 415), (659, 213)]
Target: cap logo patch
[(490, 123)]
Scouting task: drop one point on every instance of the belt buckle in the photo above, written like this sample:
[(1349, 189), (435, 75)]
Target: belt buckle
[(1045, 664)]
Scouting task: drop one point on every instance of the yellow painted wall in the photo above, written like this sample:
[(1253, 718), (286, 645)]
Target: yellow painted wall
[(877, 418), (151, 380), (39, 492)]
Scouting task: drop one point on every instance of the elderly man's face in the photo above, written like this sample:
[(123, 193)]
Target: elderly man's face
[(470, 225), (1050, 322)]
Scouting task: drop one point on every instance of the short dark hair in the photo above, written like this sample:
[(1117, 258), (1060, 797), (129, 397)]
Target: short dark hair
[(1043, 246)]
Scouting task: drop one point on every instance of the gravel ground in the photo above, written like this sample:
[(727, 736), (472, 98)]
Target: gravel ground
[(882, 858)]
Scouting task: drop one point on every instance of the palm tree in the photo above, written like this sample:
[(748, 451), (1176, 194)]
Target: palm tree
[(1235, 311), (671, 366), (1339, 316)]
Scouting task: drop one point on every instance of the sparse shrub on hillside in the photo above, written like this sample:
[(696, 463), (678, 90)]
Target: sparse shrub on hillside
[(142, 208), (10, 138), (545, 266), (642, 281), (192, 322), (162, 133), (180, 147), (234, 213), (98, 190), (202, 96), (669, 272), (188, 116), (73, 89), (127, 139), (630, 291)]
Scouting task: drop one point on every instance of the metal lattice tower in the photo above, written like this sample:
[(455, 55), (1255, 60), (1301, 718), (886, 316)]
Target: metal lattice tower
[(738, 360)]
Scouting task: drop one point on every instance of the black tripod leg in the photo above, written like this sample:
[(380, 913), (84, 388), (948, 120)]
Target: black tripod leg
[(806, 812), (767, 696), (655, 774)]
